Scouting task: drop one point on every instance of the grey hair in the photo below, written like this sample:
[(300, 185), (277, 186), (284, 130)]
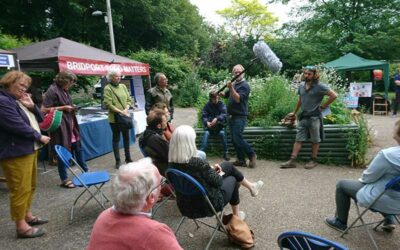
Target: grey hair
[(157, 77), (111, 73), (132, 185), (182, 146)]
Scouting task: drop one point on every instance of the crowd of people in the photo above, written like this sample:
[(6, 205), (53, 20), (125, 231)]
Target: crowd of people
[(137, 185)]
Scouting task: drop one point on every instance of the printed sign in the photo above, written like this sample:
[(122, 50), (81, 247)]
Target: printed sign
[(361, 89), (7, 61), (350, 101), (92, 67)]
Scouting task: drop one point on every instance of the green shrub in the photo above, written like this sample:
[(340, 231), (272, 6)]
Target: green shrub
[(188, 91), (175, 68), (358, 141), (270, 100), (12, 42), (213, 75)]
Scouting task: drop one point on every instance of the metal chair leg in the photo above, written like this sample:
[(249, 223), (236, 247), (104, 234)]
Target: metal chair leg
[(197, 224), (179, 224)]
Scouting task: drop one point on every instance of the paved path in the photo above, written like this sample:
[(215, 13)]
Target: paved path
[(293, 199)]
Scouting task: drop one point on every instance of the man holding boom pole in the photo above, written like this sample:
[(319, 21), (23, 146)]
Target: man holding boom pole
[(238, 96), (311, 94)]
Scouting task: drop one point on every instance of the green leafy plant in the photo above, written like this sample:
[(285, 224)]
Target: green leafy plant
[(175, 68), (270, 100), (188, 91), (358, 141)]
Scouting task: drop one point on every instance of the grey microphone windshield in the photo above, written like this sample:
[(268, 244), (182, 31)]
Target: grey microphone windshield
[(264, 53)]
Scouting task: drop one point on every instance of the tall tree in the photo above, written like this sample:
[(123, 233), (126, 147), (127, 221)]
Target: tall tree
[(173, 25), (249, 18), (369, 28)]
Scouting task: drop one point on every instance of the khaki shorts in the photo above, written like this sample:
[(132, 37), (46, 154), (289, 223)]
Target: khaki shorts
[(308, 128)]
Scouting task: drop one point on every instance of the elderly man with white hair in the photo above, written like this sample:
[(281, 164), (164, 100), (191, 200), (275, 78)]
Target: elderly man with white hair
[(118, 100), (127, 225)]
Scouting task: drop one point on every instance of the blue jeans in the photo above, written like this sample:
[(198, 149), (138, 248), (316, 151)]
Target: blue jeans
[(76, 151), (242, 148), (221, 134)]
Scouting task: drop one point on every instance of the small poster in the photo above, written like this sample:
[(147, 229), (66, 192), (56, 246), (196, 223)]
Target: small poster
[(361, 89), (350, 101), (7, 61)]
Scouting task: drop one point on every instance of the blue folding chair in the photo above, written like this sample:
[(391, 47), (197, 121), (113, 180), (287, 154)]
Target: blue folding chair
[(295, 240), (142, 151), (186, 185), (392, 185), (164, 183), (84, 179)]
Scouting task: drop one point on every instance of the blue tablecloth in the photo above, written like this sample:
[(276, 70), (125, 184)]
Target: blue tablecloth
[(96, 138)]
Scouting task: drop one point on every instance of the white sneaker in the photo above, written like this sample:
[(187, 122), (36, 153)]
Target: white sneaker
[(256, 186), (242, 215)]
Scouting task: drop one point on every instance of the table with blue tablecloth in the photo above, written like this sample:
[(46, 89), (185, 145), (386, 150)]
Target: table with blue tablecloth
[(96, 136)]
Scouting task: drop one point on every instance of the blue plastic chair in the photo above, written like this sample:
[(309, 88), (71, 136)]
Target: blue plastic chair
[(393, 185), (84, 180), (164, 183), (295, 240), (142, 151), (186, 185)]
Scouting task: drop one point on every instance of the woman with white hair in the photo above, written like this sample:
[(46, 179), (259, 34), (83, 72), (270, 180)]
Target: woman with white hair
[(118, 100), (128, 224), (221, 180)]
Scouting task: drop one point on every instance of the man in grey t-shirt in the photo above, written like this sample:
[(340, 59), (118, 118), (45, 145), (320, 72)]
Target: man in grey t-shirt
[(311, 94)]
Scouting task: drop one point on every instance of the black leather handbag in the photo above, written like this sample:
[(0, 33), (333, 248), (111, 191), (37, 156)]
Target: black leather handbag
[(125, 122)]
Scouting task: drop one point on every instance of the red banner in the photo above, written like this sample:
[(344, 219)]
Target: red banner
[(93, 67)]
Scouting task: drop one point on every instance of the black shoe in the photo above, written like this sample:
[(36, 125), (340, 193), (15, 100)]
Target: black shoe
[(118, 164), (336, 224), (128, 160), (252, 162), (240, 163), (226, 157)]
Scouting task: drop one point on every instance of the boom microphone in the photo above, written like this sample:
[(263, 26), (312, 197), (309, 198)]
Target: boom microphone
[(264, 53), (266, 56)]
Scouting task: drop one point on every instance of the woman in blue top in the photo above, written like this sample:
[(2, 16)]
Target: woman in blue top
[(384, 167)]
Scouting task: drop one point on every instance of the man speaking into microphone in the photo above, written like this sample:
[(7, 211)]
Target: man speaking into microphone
[(238, 96)]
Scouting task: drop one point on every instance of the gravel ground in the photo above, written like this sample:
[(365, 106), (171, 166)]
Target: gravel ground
[(293, 199)]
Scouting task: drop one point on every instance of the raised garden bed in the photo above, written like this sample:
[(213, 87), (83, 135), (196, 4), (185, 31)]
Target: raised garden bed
[(277, 142)]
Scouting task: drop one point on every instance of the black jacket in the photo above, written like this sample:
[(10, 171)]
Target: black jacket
[(196, 206), (156, 147)]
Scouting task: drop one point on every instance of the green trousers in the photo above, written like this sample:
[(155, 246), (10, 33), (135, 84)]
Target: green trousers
[(20, 173)]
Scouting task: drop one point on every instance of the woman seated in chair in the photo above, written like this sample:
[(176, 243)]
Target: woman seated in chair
[(221, 181), (384, 167)]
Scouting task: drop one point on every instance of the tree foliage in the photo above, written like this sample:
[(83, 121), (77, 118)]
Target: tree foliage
[(10, 42), (175, 68), (172, 25), (249, 18), (330, 28)]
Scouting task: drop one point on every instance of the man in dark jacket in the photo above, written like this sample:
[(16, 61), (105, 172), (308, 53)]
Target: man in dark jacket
[(214, 118), (153, 143), (238, 111), (160, 93)]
